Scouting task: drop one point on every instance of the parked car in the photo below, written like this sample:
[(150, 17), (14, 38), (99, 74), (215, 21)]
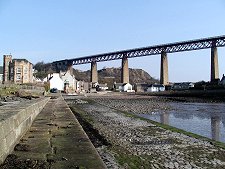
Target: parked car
[(54, 90)]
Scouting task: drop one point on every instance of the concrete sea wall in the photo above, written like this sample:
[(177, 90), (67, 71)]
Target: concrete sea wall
[(15, 120)]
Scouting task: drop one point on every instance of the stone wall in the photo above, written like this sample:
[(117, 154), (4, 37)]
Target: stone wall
[(15, 120)]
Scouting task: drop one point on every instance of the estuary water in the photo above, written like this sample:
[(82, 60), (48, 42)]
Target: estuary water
[(205, 119)]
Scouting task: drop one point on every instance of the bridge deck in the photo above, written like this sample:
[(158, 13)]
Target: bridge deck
[(218, 41), (55, 140)]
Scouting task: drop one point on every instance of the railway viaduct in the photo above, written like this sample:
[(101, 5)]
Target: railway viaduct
[(163, 50)]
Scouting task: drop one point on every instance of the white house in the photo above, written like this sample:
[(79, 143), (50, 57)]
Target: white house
[(123, 87), (55, 81), (69, 81), (127, 87), (156, 88)]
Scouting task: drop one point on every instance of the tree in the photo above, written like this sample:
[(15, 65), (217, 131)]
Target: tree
[(43, 69), (39, 66)]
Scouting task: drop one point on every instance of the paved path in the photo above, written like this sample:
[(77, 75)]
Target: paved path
[(55, 140)]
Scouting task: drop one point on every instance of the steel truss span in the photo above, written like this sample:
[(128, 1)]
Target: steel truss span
[(198, 44)]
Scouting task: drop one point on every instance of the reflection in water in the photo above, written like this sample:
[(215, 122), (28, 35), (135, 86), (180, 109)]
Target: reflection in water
[(206, 119), (164, 118), (215, 127)]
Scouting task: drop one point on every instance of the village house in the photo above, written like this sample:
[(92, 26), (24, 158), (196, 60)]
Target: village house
[(141, 87), (55, 81), (69, 82), (127, 87), (123, 87), (156, 88), (66, 82), (183, 86)]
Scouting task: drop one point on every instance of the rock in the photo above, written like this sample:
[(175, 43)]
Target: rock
[(156, 166), (23, 93), (171, 166), (176, 165)]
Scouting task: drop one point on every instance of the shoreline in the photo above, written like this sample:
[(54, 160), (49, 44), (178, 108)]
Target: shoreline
[(140, 142)]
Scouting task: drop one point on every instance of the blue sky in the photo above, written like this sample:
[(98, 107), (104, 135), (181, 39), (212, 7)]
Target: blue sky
[(50, 30)]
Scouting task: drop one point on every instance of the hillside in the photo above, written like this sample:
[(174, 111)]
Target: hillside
[(111, 75)]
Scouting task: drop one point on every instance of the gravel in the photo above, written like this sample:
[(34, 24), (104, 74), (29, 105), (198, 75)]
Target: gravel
[(160, 147)]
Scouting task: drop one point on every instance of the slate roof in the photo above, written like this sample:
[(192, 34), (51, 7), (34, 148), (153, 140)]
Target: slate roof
[(20, 60)]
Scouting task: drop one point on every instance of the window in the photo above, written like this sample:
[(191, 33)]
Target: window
[(18, 70), (18, 77), (25, 70)]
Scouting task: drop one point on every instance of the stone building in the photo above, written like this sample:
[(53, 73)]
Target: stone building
[(1, 74), (17, 70)]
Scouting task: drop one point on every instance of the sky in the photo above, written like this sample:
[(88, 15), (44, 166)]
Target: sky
[(51, 30)]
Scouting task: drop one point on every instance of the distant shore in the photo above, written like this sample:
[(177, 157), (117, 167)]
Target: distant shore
[(191, 95)]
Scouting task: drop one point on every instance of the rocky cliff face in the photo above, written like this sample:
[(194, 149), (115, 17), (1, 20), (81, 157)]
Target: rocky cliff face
[(111, 75)]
